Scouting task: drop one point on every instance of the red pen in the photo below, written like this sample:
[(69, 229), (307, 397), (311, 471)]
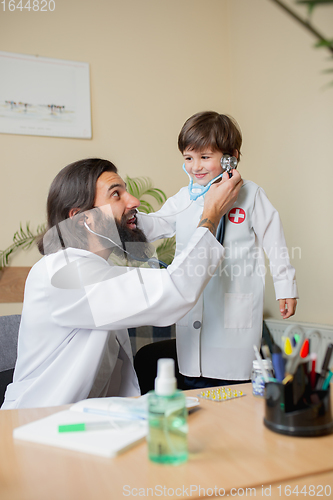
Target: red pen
[(313, 371)]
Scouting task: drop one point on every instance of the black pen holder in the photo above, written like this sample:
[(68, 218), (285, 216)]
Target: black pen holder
[(294, 410)]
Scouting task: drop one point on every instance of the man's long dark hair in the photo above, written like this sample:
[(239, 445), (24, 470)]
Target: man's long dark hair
[(73, 187)]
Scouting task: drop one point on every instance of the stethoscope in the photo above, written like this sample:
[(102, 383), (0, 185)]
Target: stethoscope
[(152, 261)]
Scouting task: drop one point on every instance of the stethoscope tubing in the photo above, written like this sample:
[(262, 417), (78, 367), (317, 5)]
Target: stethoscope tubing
[(152, 262)]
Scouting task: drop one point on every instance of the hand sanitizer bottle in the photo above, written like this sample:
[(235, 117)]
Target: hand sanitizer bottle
[(167, 418)]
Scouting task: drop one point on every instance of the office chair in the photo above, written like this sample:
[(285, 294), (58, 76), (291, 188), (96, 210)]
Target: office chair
[(145, 363), (9, 327)]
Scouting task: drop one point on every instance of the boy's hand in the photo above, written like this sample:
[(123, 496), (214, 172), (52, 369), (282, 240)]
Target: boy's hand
[(219, 199), (287, 307)]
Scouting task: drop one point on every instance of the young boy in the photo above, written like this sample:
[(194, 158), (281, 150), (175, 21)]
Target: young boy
[(215, 339)]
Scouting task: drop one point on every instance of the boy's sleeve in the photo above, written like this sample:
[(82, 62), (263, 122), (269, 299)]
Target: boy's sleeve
[(160, 224), (268, 227)]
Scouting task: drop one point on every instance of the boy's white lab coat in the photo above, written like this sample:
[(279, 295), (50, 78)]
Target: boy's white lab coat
[(73, 340), (215, 339)]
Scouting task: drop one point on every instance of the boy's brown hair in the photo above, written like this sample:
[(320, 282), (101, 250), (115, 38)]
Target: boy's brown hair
[(209, 129)]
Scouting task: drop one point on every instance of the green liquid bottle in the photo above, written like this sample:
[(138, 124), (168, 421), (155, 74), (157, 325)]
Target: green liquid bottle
[(167, 418)]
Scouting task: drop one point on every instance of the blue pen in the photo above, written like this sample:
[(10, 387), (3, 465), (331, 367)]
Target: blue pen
[(278, 362)]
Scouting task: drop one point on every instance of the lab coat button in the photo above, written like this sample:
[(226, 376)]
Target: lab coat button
[(197, 325)]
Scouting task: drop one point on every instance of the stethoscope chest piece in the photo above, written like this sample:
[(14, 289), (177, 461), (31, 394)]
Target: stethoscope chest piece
[(228, 163)]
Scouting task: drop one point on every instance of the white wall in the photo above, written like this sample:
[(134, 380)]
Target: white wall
[(153, 64)]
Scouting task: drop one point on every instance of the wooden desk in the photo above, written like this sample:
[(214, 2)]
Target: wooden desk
[(229, 449)]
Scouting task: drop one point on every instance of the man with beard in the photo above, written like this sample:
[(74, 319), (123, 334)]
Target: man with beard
[(73, 340)]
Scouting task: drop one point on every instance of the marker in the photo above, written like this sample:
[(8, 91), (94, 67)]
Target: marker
[(83, 427), (324, 368), (278, 362), (327, 381)]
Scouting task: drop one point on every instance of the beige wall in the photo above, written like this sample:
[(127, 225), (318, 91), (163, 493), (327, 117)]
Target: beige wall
[(286, 117), (153, 63)]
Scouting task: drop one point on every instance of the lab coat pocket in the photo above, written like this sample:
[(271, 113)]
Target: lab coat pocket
[(238, 309)]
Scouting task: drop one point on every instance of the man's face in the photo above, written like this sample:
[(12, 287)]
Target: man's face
[(111, 190), (112, 198), (133, 241)]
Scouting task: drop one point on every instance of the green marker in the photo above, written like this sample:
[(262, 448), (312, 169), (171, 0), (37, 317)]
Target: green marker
[(87, 426), (327, 381)]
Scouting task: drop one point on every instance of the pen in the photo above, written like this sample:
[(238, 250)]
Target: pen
[(313, 370), (82, 427), (278, 362), (327, 381), (324, 368)]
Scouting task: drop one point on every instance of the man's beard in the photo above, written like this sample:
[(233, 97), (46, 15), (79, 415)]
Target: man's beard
[(133, 241)]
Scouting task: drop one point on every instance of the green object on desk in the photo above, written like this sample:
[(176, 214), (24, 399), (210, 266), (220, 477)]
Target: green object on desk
[(82, 427), (72, 428)]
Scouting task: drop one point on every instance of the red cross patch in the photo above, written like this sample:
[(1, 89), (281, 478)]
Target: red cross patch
[(237, 215)]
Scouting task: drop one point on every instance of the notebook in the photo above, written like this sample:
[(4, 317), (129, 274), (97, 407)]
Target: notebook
[(127, 418), (123, 433)]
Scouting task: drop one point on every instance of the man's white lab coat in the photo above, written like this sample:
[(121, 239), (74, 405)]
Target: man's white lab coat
[(73, 340)]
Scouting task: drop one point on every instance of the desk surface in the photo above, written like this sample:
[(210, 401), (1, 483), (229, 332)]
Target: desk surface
[(230, 448)]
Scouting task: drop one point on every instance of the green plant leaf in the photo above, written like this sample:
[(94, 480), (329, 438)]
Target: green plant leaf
[(22, 239), (158, 194), (145, 207), (166, 250), (314, 2), (141, 187), (324, 43)]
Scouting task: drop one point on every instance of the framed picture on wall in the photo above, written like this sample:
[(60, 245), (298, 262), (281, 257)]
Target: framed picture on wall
[(42, 96)]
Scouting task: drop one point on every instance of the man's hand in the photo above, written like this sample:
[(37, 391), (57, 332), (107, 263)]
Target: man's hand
[(219, 199), (287, 307)]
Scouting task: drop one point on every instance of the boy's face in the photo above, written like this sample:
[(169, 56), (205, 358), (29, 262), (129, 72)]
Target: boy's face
[(203, 166)]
